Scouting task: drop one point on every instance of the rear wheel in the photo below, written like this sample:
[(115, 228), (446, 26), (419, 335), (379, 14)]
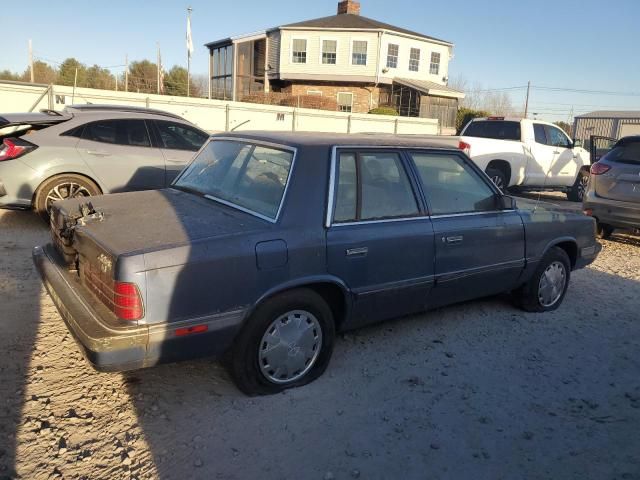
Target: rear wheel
[(603, 230), (62, 187), (579, 188), (548, 285), (286, 343), (498, 177)]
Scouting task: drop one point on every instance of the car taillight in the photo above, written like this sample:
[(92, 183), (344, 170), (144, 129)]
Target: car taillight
[(127, 303), (465, 147), (15, 147), (599, 168)]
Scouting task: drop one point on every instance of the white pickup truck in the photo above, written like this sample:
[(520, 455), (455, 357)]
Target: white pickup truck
[(527, 155)]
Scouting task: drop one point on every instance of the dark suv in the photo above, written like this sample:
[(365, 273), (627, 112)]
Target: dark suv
[(613, 195)]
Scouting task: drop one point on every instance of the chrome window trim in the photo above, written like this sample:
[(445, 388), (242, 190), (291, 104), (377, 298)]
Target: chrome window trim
[(261, 143), (468, 214), (332, 185)]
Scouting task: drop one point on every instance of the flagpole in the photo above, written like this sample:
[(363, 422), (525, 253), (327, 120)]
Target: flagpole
[(189, 48)]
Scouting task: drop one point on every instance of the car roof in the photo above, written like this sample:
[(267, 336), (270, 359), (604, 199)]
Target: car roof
[(94, 108), (315, 139), (629, 139)]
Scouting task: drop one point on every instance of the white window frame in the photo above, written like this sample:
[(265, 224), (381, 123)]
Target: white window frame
[(431, 62), (350, 106), (419, 59), (397, 45), (366, 63), (325, 39), (306, 51)]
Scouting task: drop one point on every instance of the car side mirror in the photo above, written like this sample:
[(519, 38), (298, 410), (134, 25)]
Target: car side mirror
[(506, 202), (577, 143)]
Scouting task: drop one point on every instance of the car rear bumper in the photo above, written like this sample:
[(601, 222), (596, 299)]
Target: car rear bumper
[(110, 348), (613, 212), (17, 184), (587, 255)]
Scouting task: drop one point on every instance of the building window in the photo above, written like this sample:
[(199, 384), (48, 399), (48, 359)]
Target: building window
[(359, 52), (329, 49), (316, 93), (345, 101), (414, 60), (222, 73), (434, 67), (299, 50), (392, 55)]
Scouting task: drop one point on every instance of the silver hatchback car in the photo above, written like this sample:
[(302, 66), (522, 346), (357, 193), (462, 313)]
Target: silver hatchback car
[(88, 150), (613, 194)]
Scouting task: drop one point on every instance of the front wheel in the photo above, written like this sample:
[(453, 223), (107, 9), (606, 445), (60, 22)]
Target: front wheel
[(546, 289), (62, 187), (286, 343), (579, 188)]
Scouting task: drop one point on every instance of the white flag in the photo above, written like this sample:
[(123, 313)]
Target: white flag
[(189, 39)]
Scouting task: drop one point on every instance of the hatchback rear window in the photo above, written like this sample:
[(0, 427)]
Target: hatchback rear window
[(498, 129), (628, 153)]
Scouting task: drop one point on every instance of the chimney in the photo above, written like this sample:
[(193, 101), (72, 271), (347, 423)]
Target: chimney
[(349, 6)]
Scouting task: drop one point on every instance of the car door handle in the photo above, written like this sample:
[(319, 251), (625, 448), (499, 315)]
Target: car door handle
[(556, 152), (98, 153), (357, 252), (455, 240)]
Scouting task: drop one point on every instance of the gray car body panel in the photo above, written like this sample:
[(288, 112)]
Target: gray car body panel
[(201, 258), (134, 168)]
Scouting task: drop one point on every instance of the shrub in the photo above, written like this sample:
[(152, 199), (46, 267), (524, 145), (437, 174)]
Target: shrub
[(465, 115)]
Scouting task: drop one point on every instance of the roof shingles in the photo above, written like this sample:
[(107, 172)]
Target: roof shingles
[(351, 21)]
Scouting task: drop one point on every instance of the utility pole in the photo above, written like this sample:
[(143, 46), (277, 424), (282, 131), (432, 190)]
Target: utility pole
[(189, 49), (75, 81), (526, 103), (126, 73), (31, 61), (158, 69)]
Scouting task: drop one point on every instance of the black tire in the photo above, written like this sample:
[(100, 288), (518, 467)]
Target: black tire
[(243, 360), (498, 177), (603, 230), (528, 295), (86, 188), (579, 188)]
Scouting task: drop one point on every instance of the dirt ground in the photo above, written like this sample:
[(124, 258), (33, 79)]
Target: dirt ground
[(480, 390)]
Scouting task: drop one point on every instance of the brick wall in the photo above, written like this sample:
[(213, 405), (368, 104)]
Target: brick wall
[(364, 99)]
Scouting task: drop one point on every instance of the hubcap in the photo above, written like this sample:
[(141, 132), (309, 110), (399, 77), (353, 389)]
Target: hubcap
[(552, 284), (497, 180), (290, 346), (66, 190)]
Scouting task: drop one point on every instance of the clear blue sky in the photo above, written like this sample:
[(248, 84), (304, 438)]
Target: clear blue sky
[(588, 44)]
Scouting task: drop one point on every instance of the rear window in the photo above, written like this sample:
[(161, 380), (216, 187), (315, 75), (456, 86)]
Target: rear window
[(498, 129), (628, 153)]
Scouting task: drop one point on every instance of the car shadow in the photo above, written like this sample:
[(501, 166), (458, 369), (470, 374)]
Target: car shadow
[(20, 317), (476, 390)]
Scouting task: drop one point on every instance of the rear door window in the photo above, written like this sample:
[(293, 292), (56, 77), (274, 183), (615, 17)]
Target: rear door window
[(498, 129), (131, 133), (539, 133), (177, 136), (373, 186)]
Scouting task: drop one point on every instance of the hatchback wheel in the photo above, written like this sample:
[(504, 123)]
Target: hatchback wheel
[(604, 231), (548, 285), (62, 187), (286, 343)]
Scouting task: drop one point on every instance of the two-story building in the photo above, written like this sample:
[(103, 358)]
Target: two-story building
[(358, 62)]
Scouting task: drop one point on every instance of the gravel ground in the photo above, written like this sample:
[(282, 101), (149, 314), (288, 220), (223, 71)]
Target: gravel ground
[(479, 390)]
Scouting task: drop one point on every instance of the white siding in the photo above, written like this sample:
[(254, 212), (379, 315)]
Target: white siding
[(314, 66), (405, 45)]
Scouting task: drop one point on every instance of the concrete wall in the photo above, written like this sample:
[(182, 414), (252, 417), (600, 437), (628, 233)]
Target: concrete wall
[(213, 115)]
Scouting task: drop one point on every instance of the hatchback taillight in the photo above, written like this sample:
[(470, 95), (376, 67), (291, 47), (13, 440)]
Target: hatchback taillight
[(127, 303), (15, 147), (599, 168)]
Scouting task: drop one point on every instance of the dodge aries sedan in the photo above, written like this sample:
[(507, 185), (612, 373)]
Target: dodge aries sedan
[(267, 244)]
